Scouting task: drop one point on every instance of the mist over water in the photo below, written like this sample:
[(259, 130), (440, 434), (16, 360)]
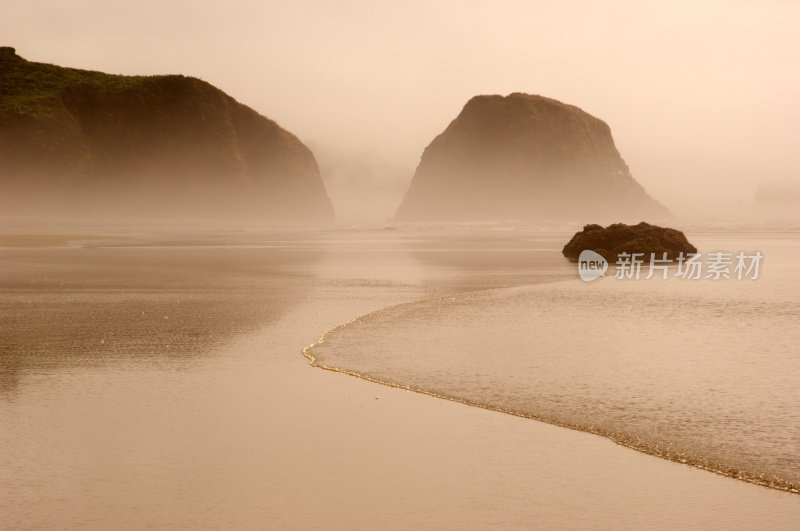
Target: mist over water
[(700, 96), (161, 274)]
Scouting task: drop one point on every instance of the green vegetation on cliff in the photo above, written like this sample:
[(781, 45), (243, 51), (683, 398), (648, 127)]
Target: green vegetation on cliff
[(33, 89), (72, 140)]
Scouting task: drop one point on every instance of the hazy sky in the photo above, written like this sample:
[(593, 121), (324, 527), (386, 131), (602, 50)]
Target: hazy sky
[(701, 96)]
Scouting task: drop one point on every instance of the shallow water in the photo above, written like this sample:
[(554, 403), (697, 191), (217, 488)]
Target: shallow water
[(705, 372), (154, 379)]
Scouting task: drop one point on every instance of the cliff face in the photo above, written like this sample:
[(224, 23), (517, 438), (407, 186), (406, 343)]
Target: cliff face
[(524, 157), (163, 145)]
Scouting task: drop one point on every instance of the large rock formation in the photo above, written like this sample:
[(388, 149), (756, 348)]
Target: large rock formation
[(76, 142), (524, 157), (618, 238)]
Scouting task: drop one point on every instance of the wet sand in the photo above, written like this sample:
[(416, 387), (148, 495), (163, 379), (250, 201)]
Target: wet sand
[(249, 436)]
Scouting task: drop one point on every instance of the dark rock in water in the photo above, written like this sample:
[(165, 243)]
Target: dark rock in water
[(618, 238), (524, 157), (75, 142)]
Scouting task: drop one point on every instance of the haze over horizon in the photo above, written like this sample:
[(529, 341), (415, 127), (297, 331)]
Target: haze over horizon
[(700, 97)]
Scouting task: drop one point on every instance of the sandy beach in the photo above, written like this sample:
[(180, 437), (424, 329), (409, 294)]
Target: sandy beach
[(399, 265), (249, 436)]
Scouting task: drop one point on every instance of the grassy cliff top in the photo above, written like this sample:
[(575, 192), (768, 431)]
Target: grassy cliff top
[(28, 88)]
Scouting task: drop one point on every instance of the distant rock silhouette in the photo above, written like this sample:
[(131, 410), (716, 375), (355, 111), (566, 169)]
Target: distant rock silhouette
[(618, 238), (524, 157), (74, 141), (776, 200)]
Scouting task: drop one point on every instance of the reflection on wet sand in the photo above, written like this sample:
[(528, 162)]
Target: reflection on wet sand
[(72, 301)]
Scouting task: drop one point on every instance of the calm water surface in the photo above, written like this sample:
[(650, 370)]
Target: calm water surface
[(702, 372), (155, 378)]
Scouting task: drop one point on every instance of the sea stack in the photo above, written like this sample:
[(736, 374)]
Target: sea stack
[(80, 143), (525, 158)]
